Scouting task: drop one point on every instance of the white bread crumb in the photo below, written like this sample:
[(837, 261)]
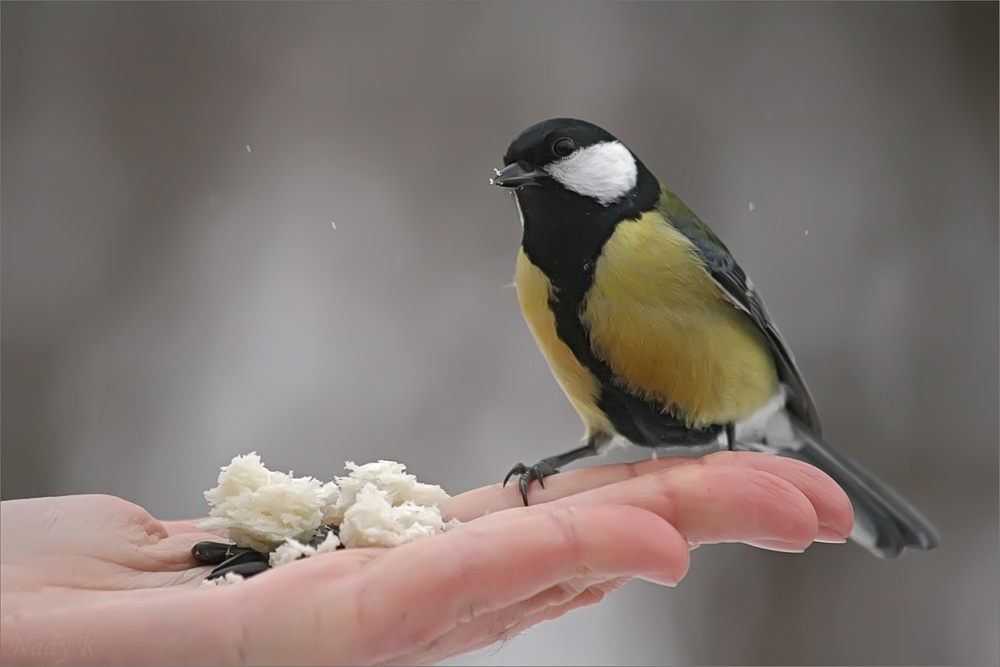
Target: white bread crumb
[(376, 504), (388, 476), (293, 550), (225, 580), (260, 509), (381, 518)]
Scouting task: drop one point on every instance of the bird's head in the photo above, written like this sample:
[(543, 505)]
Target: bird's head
[(564, 155)]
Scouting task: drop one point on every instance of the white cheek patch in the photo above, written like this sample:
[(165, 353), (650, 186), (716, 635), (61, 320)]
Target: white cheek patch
[(605, 171)]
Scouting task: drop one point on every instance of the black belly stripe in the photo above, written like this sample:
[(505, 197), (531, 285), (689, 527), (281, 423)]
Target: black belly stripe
[(642, 422)]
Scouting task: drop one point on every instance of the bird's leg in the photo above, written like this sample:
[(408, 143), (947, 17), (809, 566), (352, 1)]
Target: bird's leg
[(731, 436), (552, 464)]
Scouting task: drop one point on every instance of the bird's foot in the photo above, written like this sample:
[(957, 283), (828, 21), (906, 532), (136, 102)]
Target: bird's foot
[(539, 471)]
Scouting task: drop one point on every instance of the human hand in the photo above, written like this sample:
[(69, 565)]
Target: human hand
[(97, 580)]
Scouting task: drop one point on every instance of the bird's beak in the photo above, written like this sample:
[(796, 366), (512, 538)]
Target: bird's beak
[(515, 176)]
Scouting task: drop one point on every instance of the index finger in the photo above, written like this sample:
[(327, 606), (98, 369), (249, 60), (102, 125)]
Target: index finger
[(495, 497), (187, 526), (414, 594)]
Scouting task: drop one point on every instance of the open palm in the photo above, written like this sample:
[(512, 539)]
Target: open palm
[(97, 580)]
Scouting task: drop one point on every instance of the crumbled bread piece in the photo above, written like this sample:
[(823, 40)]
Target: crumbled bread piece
[(376, 504), (380, 518), (388, 476), (293, 550), (225, 580), (261, 509)]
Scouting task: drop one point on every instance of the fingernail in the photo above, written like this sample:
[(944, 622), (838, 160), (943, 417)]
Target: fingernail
[(669, 583), (778, 545), (829, 535)]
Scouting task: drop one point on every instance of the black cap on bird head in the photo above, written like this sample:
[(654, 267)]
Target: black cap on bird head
[(575, 156)]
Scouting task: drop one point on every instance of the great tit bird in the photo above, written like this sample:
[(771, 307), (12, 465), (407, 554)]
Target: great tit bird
[(654, 331)]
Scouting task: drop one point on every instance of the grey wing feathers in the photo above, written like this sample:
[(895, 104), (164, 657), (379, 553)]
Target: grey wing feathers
[(744, 297), (738, 288)]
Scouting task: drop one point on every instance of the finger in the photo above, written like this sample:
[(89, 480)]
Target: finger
[(172, 552), (188, 526), (418, 592), (833, 508), (496, 497), (715, 503), (305, 572), (510, 557), (506, 623)]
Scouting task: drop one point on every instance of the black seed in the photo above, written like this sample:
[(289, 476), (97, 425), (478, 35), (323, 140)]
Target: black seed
[(247, 563), (214, 553), (248, 556), (245, 570), (321, 534)]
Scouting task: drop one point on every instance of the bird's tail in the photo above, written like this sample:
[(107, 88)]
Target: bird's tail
[(884, 523)]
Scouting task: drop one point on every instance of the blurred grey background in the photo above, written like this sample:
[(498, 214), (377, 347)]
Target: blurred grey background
[(174, 292)]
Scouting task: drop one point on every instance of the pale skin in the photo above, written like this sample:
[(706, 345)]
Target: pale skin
[(97, 580)]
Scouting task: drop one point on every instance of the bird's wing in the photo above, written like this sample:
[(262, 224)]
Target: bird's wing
[(739, 289)]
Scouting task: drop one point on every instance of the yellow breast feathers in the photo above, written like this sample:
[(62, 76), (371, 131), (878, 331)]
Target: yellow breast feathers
[(581, 388), (666, 330)]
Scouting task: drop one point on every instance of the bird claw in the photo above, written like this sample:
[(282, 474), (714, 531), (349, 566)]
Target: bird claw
[(539, 471)]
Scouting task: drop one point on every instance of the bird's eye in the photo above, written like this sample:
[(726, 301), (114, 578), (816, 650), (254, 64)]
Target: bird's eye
[(563, 147)]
